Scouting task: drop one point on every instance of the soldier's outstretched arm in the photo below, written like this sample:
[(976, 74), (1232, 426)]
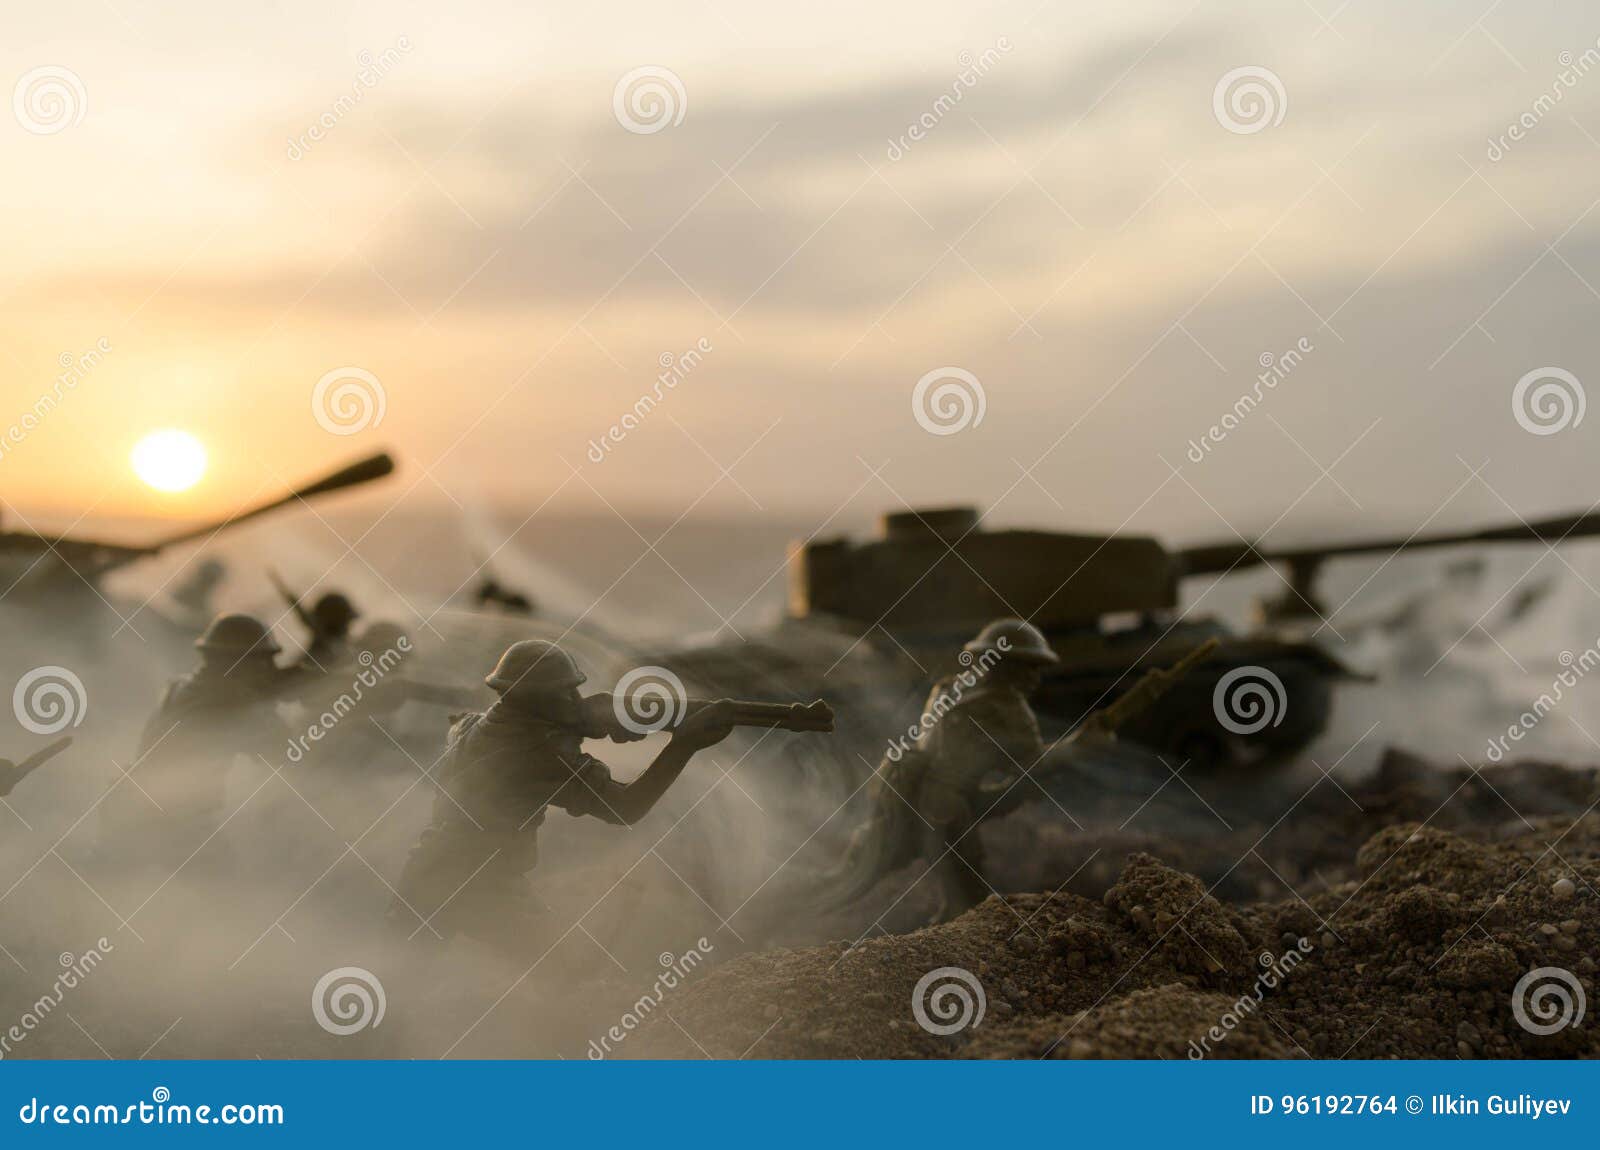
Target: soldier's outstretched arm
[(627, 803)]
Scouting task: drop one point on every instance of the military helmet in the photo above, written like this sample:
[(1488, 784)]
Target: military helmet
[(535, 665), (1021, 641), (334, 612), (238, 634)]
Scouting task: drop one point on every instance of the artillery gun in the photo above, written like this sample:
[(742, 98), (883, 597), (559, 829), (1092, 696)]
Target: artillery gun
[(57, 579), (884, 616)]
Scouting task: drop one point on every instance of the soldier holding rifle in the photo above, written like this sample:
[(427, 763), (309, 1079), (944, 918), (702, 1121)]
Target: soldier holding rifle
[(504, 767)]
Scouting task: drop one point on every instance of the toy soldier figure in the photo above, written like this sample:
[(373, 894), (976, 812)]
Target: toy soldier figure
[(976, 739), (503, 768), (328, 621), (225, 707), (966, 765)]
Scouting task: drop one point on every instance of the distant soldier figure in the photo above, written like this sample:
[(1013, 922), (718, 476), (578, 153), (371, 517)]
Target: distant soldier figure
[(225, 707), (504, 768), (976, 739), (328, 622)]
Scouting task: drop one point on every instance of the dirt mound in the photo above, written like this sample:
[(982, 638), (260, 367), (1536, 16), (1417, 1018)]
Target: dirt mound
[(1426, 951)]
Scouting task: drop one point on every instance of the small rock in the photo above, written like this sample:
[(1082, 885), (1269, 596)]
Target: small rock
[(1327, 939), (1080, 1048), (772, 1012), (1570, 926), (1468, 1033), (1549, 929), (1463, 1050), (1563, 888), (1565, 942)]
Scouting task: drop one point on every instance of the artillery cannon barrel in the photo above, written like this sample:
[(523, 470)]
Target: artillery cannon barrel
[(362, 471), (1226, 556)]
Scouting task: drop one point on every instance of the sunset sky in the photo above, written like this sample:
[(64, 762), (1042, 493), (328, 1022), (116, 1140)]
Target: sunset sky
[(1081, 232)]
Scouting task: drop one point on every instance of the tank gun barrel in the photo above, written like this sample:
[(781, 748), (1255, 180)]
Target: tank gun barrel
[(1227, 556), (93, 559)]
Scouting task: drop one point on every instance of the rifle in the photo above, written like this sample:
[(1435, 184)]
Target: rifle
[(1140, 697), (12, 774), (601, 714), (293, 600)]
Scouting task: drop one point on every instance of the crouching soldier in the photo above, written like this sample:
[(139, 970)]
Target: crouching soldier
[(502, 769)]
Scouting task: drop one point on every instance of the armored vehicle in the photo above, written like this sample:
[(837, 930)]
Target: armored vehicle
[(875, 620)]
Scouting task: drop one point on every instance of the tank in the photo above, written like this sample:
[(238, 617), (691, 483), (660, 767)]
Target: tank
[(879, 618), (51, 585)]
